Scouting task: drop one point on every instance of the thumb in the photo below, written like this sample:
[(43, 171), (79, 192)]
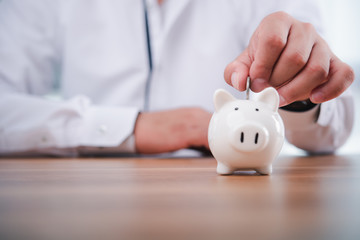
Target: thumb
[(238, 70)]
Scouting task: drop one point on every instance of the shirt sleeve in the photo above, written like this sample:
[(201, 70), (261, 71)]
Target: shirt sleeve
[(324, 128), (34, 123), (30, 122)]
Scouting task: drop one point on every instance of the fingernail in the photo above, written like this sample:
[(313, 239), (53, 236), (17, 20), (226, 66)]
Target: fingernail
[(317, 97), (259, 84), (235, 80), (282, 102)]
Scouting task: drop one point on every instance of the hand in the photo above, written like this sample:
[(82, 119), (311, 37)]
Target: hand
[(166, 131), (292, 57)]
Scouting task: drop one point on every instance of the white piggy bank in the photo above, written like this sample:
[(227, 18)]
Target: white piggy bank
[(246, 134)]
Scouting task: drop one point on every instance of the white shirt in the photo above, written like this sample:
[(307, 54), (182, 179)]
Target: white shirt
[(95, 52)]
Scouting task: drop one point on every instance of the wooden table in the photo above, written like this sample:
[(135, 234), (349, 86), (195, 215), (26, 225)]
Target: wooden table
[(148, 198)]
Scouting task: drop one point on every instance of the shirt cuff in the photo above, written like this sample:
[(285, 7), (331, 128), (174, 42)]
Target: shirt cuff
[(127, 146), (109, 127), (295, 121), (326, 112)]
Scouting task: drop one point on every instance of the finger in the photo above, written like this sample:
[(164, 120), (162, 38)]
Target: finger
[(314, 74), (259, 84), (295, 55), (268, 42), (341, 76), (237, 71)]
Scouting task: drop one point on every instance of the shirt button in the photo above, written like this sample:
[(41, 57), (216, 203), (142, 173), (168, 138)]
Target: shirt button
[(103, 129)]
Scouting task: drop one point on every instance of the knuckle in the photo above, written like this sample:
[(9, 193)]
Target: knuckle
[(341, 82), (308, 27), (298, 58), (260, 67), (319, 70), (349, 74), (281, 15), (275, 41), (260, 70)]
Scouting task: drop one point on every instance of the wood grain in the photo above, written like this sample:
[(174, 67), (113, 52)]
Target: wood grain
[(138, 198)]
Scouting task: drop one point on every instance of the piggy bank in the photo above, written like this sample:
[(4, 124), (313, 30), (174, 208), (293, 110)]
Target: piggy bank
[(246, 134)]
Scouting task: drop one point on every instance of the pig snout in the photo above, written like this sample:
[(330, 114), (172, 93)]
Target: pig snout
[(250, 137)]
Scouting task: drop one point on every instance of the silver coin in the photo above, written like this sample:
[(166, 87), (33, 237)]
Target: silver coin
[(247, 88)]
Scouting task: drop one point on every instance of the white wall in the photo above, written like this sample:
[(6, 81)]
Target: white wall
[(342, 20)]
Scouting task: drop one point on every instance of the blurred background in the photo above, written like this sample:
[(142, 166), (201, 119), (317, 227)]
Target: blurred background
[(341, 20)]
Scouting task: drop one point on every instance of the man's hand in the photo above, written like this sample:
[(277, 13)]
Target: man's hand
[(291, 56), (166, 131)]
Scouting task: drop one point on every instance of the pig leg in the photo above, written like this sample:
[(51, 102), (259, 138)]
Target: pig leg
[(223, 169), (265, 170)]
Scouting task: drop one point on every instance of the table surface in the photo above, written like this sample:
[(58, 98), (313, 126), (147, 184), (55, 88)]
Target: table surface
[(314, 197)]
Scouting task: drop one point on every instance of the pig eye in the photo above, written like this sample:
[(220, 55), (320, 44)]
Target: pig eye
[(256, 109), (236, 108)]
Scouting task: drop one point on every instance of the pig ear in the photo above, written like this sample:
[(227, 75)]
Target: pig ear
[(221, 97), (270, 97)]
